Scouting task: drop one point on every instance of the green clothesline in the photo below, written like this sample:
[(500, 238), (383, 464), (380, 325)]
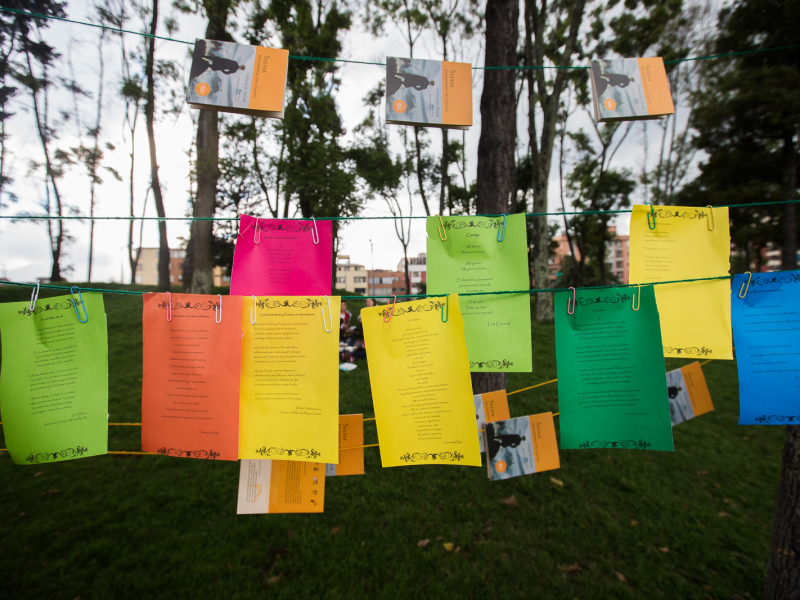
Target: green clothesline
[(544, 214), (410, 296), (363, 62)]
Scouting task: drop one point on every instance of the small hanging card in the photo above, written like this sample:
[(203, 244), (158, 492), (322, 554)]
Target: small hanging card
[(628, 89), (688, 393), (489, 407), (766, 328), (279, 257), (290, 379), (687, 243), (497, 327), (190, 384), (54, 379), (430, 93), (421, 387), (280, 486), (521, 446), (351, 447), (612, 390)]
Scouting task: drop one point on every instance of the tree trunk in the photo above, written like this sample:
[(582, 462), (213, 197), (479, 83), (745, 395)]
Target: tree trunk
[(202, 232), (498, 130), (420, 174), (789, 224), (783, 574), (149, 113), (443, 173), (96, 136)]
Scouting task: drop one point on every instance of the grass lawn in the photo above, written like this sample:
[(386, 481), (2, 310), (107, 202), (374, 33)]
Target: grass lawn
[(614, 524)]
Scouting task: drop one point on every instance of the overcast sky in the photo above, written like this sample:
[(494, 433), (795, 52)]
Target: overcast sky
[(24, 253)]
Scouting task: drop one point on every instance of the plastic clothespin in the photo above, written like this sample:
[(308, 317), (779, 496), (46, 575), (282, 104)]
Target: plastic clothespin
[(744, 288), (34, 298), (653, 214), (253, 312), (315, 232), (446, 307), (571, 312), (636, 300), (500, 238), (169, 307), (75, 305), (387, 314), (330, 318), (710, 219), (257, 234), (218, 311)]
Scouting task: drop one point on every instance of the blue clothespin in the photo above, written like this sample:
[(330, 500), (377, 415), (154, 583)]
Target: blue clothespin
[(75, 305)]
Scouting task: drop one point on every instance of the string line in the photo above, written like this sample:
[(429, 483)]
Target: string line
[(24, 217), (363, 62), (410, 296)]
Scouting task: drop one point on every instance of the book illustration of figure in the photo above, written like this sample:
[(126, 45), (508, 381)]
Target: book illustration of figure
[(209, 61), (673, 391), (603, 78), (397, 79), (497, 439)]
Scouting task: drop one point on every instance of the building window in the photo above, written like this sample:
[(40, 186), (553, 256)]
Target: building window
[(361, 290), (619, 264), (619, 253), (359, 279), (341, 279)]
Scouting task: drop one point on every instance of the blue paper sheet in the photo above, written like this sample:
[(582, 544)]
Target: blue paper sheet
[(766, 333)]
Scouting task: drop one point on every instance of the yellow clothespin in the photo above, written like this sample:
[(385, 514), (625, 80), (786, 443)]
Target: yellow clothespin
[(441, 229), (634, 300), (744, 288)]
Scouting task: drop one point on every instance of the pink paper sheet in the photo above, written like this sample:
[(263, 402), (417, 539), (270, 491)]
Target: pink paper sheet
[(280, 258)]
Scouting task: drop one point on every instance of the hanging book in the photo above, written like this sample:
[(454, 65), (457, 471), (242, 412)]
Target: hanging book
[(521, 446), (428, 92), (236, 78), (688, 393), (630, 89)]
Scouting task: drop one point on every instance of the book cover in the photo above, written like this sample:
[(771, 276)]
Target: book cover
[(489, 407), (688, 393), (351, 447), (238, 78), (280, 486), (522, 446), (428, 92), (629, 89)]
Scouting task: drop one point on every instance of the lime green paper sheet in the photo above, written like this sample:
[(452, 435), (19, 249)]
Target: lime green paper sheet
[(497, 328), (612, 386), (54, 379)]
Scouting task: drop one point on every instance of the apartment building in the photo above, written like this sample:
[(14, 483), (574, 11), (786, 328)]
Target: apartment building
[(385, 283), (417, 271), (616, 256), (147, 268), (350, 276)]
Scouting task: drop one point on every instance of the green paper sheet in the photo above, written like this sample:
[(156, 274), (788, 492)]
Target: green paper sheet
[(497, 328), (612, 385), (54, 379)]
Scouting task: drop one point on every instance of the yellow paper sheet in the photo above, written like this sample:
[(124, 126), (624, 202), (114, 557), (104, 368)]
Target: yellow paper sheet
[(289, 393), (695, 316), (421, 387)]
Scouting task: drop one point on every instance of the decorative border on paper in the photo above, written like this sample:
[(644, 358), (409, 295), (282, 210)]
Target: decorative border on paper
[(692, 351), (459, 224), (300, 452), (46, 456), (176, 305), (402, 310), (307, 303), (767, 420), (626, 444), (666, 213), (188, 453), (789, 278), (491, 364), (295, 226), (612, 299), (40, 309), (420, 456)]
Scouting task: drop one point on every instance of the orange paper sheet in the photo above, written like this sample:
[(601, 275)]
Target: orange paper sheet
[(280, 486), (190, 384)]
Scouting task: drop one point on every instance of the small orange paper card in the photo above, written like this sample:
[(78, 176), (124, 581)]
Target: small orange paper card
[(490, 407), (280, 486), (191, 373), (522, 446), (351, 435), (688, 393)]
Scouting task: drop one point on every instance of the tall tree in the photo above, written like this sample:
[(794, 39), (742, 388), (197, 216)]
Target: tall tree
[(199, 264), (498, 132), (155, 182)]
